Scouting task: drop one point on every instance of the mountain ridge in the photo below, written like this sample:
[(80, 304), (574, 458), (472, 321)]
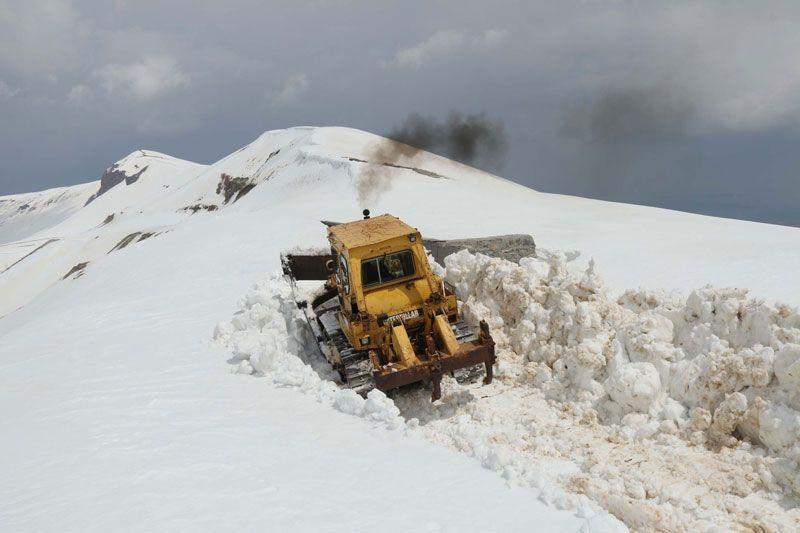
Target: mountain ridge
[(309, 174)]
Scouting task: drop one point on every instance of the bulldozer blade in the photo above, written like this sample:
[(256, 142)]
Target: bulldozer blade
[(512, 247), (509, 247), (303, 267)]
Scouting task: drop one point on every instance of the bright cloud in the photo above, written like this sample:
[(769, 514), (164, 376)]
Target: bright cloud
[(492, 37), (79, 93), (6, 91), (295, 86), (444, 42), (440, 43), (144, 80)]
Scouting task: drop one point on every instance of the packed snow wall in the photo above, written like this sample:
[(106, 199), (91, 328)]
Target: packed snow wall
[(715, 366)]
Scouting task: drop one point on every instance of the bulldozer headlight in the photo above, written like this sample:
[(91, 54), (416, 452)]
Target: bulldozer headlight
[(364, 340)]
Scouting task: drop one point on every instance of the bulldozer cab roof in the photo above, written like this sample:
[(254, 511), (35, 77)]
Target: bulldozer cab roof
[(370, 231)]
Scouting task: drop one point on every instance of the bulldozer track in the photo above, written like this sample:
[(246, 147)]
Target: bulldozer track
[(356, 369)]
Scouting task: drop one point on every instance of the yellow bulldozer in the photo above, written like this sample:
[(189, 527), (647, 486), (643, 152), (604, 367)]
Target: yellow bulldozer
[(384, 319)]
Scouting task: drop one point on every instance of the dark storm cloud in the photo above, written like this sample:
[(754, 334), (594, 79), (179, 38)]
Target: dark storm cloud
[(626, 138), (630, 115)]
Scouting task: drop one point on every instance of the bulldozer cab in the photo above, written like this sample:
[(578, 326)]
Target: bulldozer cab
[(381, 267)]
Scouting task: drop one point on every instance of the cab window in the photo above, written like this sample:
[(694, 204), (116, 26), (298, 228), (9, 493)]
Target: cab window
[(386, 268), (343, 274)]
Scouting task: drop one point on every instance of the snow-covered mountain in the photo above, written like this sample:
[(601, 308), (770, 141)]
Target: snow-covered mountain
[(125, 414), (22, 215), (311, 173)]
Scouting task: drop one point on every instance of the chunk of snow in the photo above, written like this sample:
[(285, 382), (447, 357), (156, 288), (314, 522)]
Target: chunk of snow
[(635, 385)]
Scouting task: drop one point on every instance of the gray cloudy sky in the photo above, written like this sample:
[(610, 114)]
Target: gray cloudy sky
[(687, 105)]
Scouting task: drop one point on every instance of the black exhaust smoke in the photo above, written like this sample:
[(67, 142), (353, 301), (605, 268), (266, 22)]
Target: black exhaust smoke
[(470, 139)]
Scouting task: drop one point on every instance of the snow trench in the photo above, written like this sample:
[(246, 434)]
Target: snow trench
[(672, 411), (268, 337)]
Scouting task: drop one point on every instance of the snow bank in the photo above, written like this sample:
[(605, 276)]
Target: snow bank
[(704, 376), (268, 336), (634, 353)]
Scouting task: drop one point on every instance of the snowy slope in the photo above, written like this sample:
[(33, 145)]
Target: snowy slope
[(121, 404), (106, 216), (22, 215)]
